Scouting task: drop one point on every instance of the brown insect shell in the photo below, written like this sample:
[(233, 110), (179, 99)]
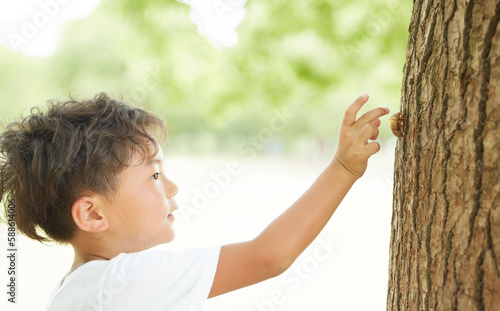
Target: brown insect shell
[(397, 123)]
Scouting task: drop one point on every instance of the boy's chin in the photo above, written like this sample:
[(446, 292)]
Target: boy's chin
[(164, 239), (168, 238)]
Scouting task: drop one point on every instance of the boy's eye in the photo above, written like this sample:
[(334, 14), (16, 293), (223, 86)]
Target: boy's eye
[(156, 176)]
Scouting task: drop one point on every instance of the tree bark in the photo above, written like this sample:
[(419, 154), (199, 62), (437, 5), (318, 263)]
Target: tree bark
[(445, 239)]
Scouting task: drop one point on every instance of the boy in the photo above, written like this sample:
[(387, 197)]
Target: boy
[(90, 173)]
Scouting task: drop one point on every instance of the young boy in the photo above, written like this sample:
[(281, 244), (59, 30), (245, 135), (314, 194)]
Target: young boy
[(90, 173)]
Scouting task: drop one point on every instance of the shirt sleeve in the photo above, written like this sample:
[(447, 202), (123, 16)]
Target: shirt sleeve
[(161, 280)]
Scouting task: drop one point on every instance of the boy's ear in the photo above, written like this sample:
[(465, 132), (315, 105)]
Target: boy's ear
[(87, 216)]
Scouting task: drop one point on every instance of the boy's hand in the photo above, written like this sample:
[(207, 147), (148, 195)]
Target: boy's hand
[(353, 149)]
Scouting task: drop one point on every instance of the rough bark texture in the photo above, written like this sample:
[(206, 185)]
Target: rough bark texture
[(445, 240)]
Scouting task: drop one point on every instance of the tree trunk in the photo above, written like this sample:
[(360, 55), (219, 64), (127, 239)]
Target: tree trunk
[(445, 240)]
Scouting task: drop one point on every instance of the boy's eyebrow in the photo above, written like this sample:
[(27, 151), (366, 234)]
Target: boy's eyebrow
[(154, 160)]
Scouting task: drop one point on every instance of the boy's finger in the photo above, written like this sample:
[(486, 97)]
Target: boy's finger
[(374, 136), (368, 131), (375, 123), (372, 147), (372, 115), (352, 110)]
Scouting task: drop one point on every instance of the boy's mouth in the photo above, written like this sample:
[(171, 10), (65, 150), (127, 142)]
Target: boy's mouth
[(173, 207)]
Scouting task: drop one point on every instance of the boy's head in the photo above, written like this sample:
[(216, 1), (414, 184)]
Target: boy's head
[(79, 167)]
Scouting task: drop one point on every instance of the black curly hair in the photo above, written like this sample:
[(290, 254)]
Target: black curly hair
[(50, 159)]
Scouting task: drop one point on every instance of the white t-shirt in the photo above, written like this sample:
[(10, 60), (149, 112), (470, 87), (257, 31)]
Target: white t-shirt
[(150, 280)]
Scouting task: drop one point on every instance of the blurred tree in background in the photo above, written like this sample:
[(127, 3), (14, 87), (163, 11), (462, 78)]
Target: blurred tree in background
[(309, 58)]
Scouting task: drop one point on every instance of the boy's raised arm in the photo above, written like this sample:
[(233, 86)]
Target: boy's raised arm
[(277, 247)]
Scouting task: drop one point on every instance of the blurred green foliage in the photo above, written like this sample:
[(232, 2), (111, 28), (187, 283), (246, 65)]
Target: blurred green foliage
[(311, 58)]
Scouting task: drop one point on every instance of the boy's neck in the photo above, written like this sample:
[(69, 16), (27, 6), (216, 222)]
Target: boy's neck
[(87, 250)]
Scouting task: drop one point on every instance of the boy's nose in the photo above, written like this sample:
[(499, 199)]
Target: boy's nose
[(171, 189)]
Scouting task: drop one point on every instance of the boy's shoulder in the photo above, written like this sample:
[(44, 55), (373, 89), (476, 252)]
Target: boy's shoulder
[(165, 276)]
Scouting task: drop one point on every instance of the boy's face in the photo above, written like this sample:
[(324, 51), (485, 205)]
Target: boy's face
[(141, 215)]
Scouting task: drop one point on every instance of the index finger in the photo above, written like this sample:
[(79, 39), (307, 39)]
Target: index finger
[(353, 109), (372, 115)]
